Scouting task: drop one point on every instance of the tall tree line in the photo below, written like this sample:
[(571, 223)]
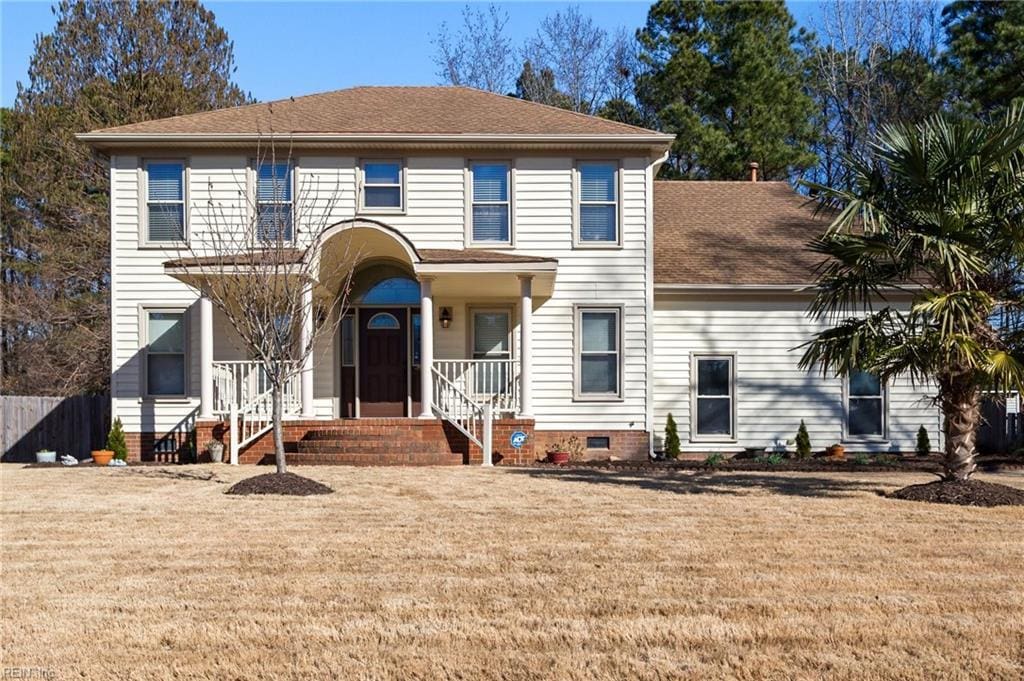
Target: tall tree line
[(739, 81), (106, 63)]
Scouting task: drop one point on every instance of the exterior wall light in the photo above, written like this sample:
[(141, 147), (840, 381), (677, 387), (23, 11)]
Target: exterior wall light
[(446, 317)]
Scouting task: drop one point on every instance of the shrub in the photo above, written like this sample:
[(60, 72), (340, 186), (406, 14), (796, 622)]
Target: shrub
[(714, 460), (803, 442), (671, 439), (861, 459), (575, 448), (770, 459), (924, 445), (116, 442)]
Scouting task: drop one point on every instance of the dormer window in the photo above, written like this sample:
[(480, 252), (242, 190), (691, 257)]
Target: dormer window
[(382, 186)]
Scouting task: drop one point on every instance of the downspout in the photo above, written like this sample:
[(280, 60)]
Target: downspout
[(652, 170)]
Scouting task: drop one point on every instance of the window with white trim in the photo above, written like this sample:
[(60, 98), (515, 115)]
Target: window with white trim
[(165, 200), (714, 397), (598, 352), (491, 331), (598, 207), (491, 209), (165, 353), (382, 186), (865, 406), (274, 201)]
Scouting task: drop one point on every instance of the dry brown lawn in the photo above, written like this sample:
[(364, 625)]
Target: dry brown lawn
[(470, 573)]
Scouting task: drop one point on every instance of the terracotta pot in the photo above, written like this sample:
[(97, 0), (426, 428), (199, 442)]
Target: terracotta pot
[(101, 457), (837, 451), (561, 458)]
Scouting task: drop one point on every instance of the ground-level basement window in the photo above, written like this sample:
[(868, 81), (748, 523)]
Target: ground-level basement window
[(165, 353), (599, 442), (713, 405)]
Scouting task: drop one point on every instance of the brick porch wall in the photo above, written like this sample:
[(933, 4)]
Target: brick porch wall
[(623, 444)]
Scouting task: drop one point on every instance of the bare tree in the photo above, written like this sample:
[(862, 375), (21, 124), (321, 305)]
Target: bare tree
[(576, 50), (261, 265), (479, 54)]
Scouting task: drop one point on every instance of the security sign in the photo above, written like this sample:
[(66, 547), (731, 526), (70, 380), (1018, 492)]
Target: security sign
[(518, 439)]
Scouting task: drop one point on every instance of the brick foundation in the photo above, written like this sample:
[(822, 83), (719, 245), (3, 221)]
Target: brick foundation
[(623, 444)]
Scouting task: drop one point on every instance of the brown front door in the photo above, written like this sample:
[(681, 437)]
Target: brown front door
[(382, 362)]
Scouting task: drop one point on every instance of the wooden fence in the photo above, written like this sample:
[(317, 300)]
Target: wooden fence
[(69, 425), (1002, 430)]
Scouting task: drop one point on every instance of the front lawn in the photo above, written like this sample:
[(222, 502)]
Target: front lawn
[(519, 573)]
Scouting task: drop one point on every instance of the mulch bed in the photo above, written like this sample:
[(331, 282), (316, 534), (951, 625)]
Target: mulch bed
[(963, 493), (279, 483)]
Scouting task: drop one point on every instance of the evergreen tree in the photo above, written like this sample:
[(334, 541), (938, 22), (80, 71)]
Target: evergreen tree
[(924, 445), (803, 442), (107, 63), (671, 439), (726, 78), (116, 442), (539, 86), (986, 52)]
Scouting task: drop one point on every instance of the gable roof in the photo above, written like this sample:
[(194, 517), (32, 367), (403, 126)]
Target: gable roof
[(445, 111), (733, 234)]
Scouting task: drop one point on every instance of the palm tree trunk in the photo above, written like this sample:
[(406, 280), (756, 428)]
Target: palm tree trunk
[(278, 398), (961, 409)]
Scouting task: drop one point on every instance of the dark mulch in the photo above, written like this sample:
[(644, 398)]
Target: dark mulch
[(963, 493), (851, 464), (279, 483)]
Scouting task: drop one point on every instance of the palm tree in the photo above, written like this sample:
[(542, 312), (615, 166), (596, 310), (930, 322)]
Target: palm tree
[(934, 215)]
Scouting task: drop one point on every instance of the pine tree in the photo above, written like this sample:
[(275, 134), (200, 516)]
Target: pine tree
[(726, 79), (107, 63), (924, 445), (985, 60), (671, 439), (116, 442), (803, 442)]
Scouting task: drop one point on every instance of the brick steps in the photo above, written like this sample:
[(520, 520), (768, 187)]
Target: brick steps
[(372, 442)]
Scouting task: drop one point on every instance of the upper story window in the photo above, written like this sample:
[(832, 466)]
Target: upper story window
[(491, 205), (598, 203), (382, 186), (865, 406), (274, 201), (165, 201)]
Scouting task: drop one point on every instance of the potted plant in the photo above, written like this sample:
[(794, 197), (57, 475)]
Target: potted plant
[(215, 448), (46, 456), (837, 451), (558, 452), (102, 457)]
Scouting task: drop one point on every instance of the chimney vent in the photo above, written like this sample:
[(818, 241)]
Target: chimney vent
[(753, 170)]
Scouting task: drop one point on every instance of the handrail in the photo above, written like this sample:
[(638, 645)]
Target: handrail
[(472, 419), (247, 421), (493, 381), (239, 382)]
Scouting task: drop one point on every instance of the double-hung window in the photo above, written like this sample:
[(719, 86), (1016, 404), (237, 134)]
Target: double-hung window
[(274, 201), (165, 353), (165, 201), (598, 353), (382, 186), (865, 406), (491, 335), (491, 204), (714, 397), (598, 207)]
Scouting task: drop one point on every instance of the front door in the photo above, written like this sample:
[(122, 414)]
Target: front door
[(382, 362)]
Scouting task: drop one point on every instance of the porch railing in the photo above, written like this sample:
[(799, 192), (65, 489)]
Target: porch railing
[(241, 382), (484, 381)]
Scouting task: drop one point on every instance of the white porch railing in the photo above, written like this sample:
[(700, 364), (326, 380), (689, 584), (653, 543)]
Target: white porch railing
[(472, 418), (484, 381), (242, 382)]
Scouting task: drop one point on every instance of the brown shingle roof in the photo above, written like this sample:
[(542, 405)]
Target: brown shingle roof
[(733, 233), (388, 110)]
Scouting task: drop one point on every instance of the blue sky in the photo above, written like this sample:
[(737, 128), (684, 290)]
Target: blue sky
[(319, 46)]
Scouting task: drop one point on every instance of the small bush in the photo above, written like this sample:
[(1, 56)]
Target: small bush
[(924, 445), (116, 442), (803, 442), (770, 459), (671, 439), (714, 460), (861, 459)]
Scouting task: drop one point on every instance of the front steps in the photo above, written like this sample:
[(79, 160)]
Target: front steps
[(368, 443)]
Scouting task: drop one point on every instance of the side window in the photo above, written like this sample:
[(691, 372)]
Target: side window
[(598, 353), (714, 397), (165, 201), (348, 347), (273, 201), (382, 186), (165, 353), (491, 205), (598, 208), (865, 406)]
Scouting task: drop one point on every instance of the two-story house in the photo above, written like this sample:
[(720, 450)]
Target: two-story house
[(520, 271)]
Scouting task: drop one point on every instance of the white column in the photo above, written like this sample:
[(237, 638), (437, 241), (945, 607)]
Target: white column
[(306, 377), (525, 346), (426, 348), (205, 358)]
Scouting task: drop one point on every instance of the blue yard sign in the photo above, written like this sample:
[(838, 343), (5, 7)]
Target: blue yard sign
[(518, 439)]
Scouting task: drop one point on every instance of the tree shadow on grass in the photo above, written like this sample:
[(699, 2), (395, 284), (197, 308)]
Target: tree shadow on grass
[(734, 484)]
